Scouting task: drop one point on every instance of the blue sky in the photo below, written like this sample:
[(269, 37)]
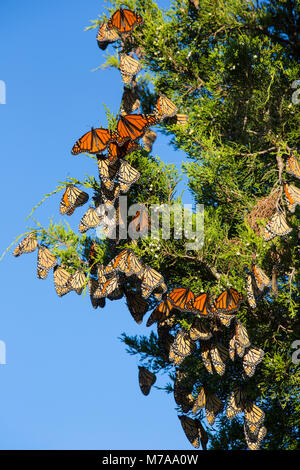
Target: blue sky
[(68, 382)]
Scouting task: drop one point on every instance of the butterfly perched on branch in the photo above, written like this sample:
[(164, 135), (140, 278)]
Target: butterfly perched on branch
[(46, 261), (212, 404), (94, 141), (129, 67), (124, 20), (27, 245), (165, 108), (276, 226), (133, 126), (194, 431), (146, 380), (292, 196), (106, 36), (61, 277), (293, 166), (72, 198)]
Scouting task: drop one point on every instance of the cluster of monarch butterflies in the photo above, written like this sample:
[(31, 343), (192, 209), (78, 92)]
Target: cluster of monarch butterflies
[(126, 275), (112, 146), (277, 225), (258, 283), (203, 339)]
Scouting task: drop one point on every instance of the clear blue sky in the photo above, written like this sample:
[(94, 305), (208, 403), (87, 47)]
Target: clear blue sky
[(68, 382)]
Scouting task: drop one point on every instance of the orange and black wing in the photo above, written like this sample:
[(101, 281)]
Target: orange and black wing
[(124, 20), (94, 141), (200, 305), (228, 301), (180, 297), (133, 126), (120, 151)]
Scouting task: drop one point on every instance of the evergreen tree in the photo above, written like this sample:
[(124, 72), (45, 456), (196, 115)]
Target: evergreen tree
[(230, 66)]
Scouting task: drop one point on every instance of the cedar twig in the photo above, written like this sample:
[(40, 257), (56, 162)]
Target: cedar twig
[(212, 270), (262, 152)]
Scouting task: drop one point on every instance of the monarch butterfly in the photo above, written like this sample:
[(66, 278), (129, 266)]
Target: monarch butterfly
[(183, 345), (96, 295), (165, 108), (236, 403), (212, 404), (292, 196), (200, 305), (261, 279), (178, 119), (293, 166), (119, 263), (159, 291), (180, 298), (73, 197), (165, 340), (253, 414), (242, 338), (199, 331), (253, 442), (140, 222), (239, 341), (148, 139), (77, 281), (175, 358), (46, 261), (146, 380), (182, 392), (27, 245), (124, 20), (89, 220), (252, 429), (150, 280), (252, 291), (228, 301), (130, 101), (213, 407), (200, 401), (129, 67), (161, 313), (205, 354), (109, 196), (194, 431), (137, 306), (61, 277), (251, 359), (116, 151), (126, 262), (225, 318), (94, 141), (276, 226), (127, 175), (107, 171), (133, 126), (134, 265), (112, 289), (219, 356), (106, 36)]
